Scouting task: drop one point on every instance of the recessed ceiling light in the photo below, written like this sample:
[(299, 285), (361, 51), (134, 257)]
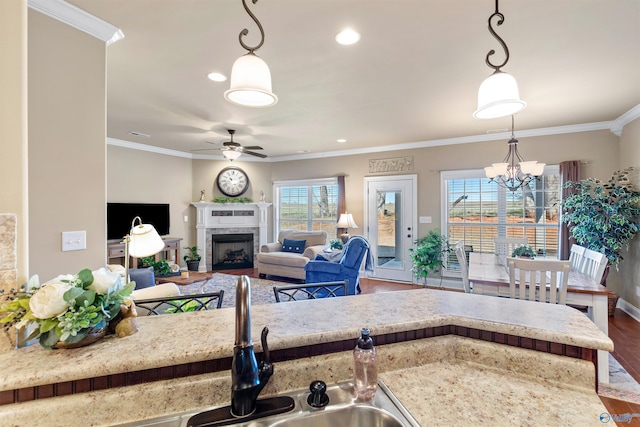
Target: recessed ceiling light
[(347, 37), (341, 140), (217, 77), (143, 135)]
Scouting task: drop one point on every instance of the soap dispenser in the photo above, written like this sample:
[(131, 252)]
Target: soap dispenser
[(365, 366)]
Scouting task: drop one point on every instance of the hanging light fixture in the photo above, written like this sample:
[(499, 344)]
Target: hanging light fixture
[(231, 154), (498, 95), (513, 172), (250, 76)]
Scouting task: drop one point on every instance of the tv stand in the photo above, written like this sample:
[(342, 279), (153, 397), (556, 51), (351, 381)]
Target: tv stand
[(115, 251)]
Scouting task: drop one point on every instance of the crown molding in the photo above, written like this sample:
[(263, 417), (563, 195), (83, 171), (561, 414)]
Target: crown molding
[(78, 18), (556, 130), (620, 122)]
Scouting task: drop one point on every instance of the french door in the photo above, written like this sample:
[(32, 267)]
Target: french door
[(390, 224)]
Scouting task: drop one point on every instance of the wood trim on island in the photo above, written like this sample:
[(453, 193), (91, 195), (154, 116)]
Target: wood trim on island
[(218, 365)]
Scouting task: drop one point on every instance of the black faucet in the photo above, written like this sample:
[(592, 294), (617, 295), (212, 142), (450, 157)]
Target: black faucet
[(247, 378)]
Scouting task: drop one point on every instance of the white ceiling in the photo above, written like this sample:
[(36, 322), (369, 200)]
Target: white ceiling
[(412, 78)]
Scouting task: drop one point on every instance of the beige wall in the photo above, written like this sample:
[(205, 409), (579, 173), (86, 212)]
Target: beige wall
[(628, 285), (13, 126), (144, 177), (67, 160)]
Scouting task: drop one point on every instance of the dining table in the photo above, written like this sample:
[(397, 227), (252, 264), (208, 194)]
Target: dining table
[(489, 276)]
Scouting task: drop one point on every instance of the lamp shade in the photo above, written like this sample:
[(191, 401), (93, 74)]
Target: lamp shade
[(250, 83), (231, 154), (346, 221), (144, 241), (498, 96)]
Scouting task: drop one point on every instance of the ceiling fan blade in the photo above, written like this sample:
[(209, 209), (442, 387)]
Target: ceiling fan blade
[(252, 147), (262, 156)]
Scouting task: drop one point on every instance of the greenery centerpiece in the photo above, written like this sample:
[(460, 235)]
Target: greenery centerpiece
[(335, 244), (523, 251), (161, 267), (429, 255), (68, 308), (602, 215), (222, 199)]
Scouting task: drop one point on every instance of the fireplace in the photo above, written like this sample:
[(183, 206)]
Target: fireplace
[(229, 251)]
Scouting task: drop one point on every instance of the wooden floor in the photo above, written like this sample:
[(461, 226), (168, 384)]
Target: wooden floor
[(624, 331)]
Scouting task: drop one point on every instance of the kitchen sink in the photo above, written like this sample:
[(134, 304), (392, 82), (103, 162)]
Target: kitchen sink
[(343, 410)]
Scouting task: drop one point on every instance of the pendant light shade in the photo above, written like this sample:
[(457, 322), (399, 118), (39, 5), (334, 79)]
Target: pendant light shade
[(250, 76), (498, 96), (250, 83)]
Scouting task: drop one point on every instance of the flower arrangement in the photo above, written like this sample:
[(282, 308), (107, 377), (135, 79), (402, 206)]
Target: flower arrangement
[(68, 307), (523, 251)]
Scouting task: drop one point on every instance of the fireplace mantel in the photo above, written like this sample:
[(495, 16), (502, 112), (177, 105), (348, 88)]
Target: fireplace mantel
[(228, 215)]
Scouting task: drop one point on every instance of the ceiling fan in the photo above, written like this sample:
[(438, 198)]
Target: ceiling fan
[(232, 150)]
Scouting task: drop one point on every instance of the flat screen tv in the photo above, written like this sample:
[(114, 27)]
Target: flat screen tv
[(120, 215)]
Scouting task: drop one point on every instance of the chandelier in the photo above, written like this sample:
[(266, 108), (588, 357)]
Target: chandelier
[(250, 76), (498, 95), (513, 172)]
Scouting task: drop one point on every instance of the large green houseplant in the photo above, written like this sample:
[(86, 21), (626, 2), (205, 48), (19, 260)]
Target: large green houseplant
[(429, 255), (603, 215)]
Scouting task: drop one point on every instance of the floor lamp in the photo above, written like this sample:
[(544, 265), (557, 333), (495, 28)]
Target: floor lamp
[(143, 240), (346, 221)]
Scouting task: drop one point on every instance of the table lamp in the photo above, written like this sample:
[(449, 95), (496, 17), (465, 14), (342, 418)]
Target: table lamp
[(143, 240), (346, 221)]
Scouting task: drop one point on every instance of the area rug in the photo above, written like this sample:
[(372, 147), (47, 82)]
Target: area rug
[(261, 289), (621, 385)]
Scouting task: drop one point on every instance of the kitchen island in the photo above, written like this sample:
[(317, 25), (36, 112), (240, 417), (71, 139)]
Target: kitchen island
[(181, 362)]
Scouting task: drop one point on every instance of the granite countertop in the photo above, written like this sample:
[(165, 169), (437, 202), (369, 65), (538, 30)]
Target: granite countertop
[(191, 337)]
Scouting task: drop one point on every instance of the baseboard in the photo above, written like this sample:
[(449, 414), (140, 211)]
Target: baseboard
[(630, 309)]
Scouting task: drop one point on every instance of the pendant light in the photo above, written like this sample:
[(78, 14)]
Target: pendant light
[(513, 172), (250, 76), (498, 95)]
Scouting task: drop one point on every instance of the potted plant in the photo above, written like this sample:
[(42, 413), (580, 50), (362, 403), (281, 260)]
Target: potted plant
[(602, 215), (523, 251), (192, 258), (429, 255)]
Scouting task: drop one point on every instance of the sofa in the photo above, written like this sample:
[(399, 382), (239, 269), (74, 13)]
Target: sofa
[(290, 254)]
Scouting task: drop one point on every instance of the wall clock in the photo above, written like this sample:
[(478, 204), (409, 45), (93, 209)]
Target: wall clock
[(232, 181)]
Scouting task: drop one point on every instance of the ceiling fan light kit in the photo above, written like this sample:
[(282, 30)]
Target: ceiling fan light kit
[(250, 76), (231, 154), (498, 95)]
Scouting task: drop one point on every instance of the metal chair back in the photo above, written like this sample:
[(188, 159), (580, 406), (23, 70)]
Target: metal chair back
[(310, 291), (179, 303)]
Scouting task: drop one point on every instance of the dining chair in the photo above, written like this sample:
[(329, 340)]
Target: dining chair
[(529, 279), (504, 246), (576, 257), (594, 264), (464, 267)]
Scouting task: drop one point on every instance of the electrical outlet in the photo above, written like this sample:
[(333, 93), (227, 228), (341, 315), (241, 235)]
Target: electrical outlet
[(186, 218), (74, 240), (638, 291)]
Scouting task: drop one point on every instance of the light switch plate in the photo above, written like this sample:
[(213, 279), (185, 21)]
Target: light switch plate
[(425, 220), (74, 240)]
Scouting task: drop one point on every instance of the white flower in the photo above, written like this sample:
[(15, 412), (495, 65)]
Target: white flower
[(48, 301), (105, 280)]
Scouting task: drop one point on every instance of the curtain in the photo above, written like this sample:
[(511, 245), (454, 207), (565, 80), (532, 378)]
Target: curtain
[(342, 203), (569, 171)]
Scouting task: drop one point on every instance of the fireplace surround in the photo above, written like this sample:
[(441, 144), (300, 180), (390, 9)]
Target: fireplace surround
[(224, 219)]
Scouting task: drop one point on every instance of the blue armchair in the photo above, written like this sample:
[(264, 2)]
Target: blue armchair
[(347, 266)]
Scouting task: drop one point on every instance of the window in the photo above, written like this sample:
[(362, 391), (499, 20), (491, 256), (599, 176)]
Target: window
[(308, 205), (476, 210)]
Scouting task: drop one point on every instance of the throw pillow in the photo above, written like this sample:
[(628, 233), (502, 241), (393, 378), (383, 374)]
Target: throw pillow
[(144, 277), (295, 246)]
